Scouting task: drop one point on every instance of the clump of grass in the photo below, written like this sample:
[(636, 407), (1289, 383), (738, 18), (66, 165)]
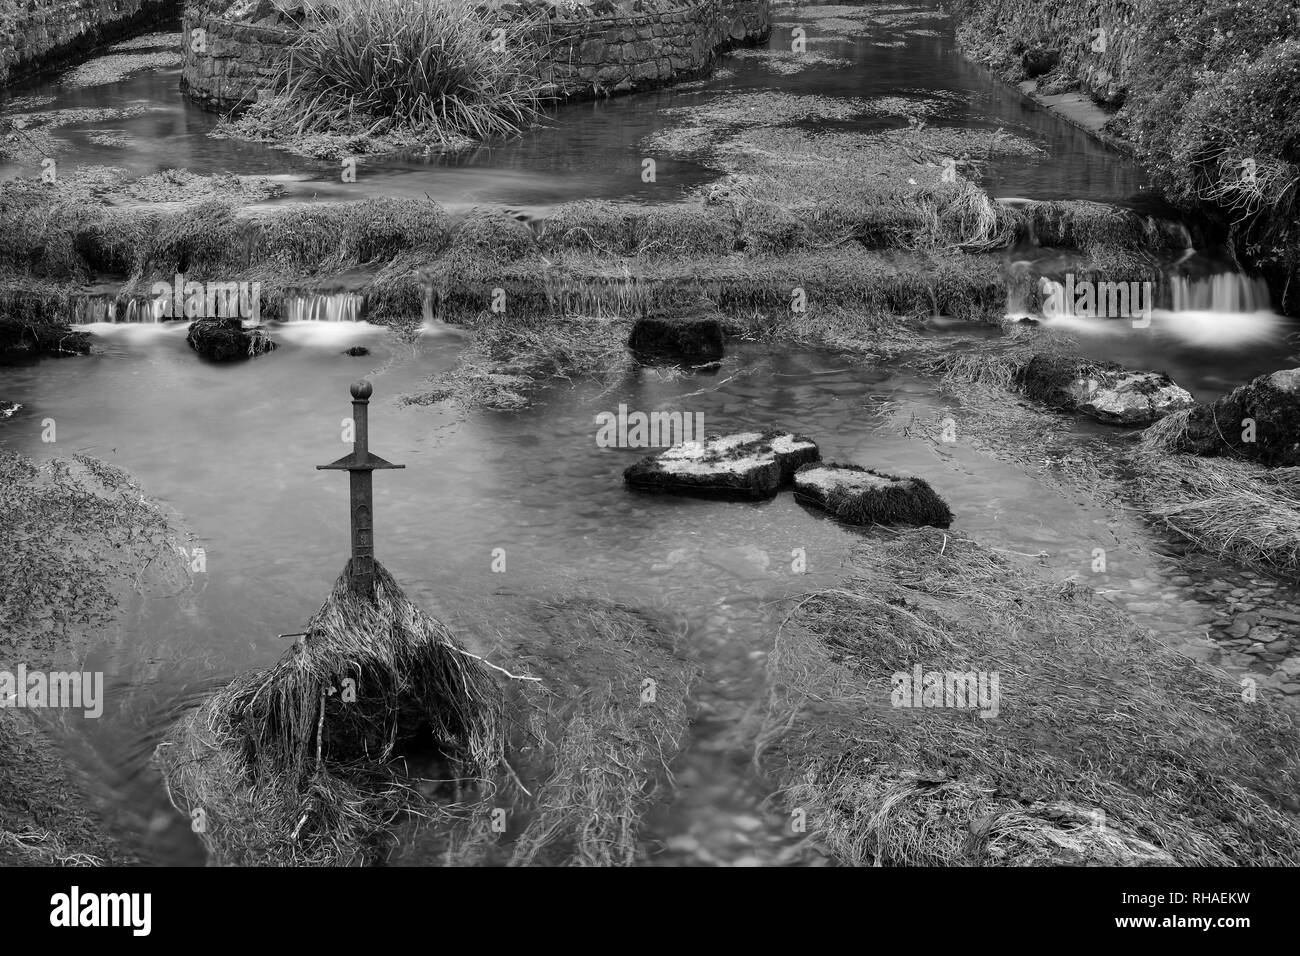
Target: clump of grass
[(608, 744), (1236, 509), (1106, 747), (378, 66), (509, 359), (286, 769), (72, 527), (611, 229), (1079, 224), (846, 330)]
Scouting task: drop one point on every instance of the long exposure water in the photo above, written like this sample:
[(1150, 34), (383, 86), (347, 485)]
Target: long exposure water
[(595, 149), (232, 449)]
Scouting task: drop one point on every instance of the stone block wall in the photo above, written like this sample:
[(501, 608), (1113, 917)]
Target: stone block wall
[(593, 49), (38, 34)]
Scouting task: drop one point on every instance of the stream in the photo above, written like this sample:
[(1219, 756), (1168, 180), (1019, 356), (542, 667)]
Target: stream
[(232, 449)]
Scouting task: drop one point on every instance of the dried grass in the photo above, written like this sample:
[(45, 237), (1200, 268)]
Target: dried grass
[(1107, 749), (284, 769)]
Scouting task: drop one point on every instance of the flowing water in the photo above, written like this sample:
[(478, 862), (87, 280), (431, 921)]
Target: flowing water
[(595, 149), (232, 450)]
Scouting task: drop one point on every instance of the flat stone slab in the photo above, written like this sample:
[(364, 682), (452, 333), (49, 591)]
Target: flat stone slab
[(860, 495), (746, 464)]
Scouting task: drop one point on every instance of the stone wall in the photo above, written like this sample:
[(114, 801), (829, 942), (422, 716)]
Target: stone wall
[(38, 34), (593, 50)]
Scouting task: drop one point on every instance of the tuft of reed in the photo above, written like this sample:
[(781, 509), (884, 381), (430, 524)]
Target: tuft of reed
[(1106, 747), (377, 66), (284, 766)]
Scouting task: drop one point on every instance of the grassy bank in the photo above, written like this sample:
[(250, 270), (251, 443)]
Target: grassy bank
[(1106, 748), (1237, 510), (1205, 94)]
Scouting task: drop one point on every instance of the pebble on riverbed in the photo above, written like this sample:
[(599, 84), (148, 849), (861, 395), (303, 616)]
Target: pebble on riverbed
[(746, 465), (862, 496)]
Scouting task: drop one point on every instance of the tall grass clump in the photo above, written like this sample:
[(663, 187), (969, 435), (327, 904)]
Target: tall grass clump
[(374, 67)]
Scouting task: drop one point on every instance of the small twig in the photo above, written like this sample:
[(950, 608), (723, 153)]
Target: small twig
[(515, 777), (491, 665)]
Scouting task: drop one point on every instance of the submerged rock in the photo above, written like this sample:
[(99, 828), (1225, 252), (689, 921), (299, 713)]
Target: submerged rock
[(746, 464), (697, 339), (357, 350), (21, 339), (7, 409), (862, 496), (226, 340), (1223, 427), (1104, 390)]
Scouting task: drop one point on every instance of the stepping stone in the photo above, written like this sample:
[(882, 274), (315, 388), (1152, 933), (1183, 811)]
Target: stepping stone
[(861, 496), (695, 339), (1103, 390), (226, 340), (746, 464)]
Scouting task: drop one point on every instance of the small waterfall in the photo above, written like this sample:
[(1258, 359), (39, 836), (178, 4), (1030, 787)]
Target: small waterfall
[(89, 309), (323, 307), (1225, 292)]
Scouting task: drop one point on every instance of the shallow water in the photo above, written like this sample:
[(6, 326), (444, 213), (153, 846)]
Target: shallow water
[(595, 149), (232, 449)]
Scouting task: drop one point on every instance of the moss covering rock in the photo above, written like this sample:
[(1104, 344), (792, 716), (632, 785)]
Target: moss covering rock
[(860, 495), (1105, 391), (744, 465), (1258, 421), (226, 340), (696, 339)]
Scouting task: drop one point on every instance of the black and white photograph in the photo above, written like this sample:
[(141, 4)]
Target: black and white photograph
[(486, 434)]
